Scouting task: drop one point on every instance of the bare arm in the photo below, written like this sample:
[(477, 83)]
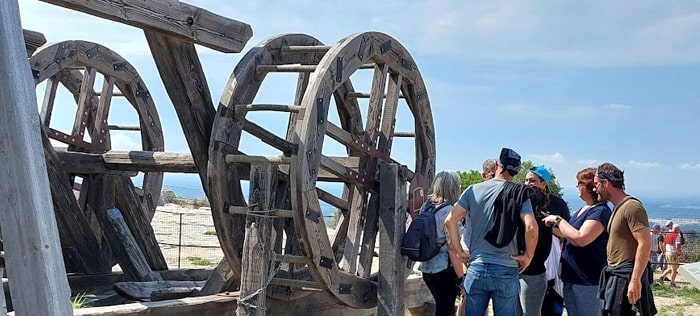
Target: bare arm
[(641, 259), (453, 218), (589, 231), (531, 231)]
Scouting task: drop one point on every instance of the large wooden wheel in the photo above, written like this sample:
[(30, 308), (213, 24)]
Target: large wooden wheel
[(339, 262), (76, 65)]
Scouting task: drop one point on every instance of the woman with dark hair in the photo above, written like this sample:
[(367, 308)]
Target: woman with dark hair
[(584, 255)]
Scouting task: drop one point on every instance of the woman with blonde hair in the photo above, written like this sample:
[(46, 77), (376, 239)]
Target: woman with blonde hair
[(438, 273)]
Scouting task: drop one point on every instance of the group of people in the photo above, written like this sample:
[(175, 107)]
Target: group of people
[(523, 249), (667, 253)]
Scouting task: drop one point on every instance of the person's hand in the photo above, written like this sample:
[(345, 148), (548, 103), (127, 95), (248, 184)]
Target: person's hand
[(461, 253), (523, 262), (634, 291), (550, 220)]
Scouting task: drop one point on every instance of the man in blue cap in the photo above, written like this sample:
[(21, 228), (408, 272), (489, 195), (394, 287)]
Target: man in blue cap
[(494, 259), (533, 281)]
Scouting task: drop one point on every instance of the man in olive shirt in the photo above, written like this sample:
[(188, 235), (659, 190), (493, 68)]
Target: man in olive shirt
[(625, 282)]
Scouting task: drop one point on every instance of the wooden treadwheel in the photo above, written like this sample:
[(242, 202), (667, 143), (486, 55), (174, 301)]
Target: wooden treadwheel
[(312, 257), (76, 65)]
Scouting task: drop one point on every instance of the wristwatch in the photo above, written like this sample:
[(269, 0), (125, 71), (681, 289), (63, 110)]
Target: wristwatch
[(556, 221)]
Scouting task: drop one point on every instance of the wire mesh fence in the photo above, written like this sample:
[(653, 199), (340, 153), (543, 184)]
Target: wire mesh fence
[(187, 237)]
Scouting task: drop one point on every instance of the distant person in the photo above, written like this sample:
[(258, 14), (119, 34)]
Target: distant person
[(657, 240), (674, 254), (584, 255), (489, 169), (624, 285), (497, 208), (438, 274), (533, 281)]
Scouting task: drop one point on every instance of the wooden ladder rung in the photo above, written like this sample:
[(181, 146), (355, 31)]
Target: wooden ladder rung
[(124, 128), (302, 284), (290, 259), (114, 94), (363, 95), (243, 210), (243, 108), (296, 68), (305, 49), (280, 160), (404, 134)]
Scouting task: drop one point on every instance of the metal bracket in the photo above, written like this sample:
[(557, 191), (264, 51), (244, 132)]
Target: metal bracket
[(120, 66), (385, 47), (339, 69), (313, 215), (35, 73), (326, 262), (142, 93), (363, 46), (345, 288), (92, 52), (407, 64)]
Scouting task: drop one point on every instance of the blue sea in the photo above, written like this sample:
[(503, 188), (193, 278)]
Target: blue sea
[(683, 209)]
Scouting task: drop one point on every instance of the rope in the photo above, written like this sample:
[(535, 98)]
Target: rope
[(270, 276)]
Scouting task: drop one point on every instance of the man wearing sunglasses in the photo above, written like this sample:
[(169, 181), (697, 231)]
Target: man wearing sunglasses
[(624, 285)]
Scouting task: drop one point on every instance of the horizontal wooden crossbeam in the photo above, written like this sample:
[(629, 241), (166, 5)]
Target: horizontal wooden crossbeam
[(174, 18)]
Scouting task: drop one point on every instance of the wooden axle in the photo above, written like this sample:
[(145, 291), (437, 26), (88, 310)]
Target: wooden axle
[(305, 49), (297, 68), (363, 95), (243, 108), (257, 159), (243, 210), (124, 128)]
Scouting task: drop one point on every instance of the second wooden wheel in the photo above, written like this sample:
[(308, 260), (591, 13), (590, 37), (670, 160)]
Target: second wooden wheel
[(342, 175)]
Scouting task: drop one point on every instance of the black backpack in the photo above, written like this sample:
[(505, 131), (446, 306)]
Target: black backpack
[(419, 243)]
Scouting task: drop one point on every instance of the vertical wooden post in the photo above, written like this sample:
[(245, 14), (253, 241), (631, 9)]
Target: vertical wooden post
[(393, 201), (259, 234), (30, 234)]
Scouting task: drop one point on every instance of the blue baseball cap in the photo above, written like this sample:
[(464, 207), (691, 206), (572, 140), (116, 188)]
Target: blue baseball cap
[(541, 172)]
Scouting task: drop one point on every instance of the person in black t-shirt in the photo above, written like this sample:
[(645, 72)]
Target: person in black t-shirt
[(533, 281)]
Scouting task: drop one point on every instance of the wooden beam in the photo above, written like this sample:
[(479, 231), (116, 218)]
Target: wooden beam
[(27, 221), (32, 41), (177, 19), (139, 291), (145, 161), (392, 224), (259, 235), (129, 254)]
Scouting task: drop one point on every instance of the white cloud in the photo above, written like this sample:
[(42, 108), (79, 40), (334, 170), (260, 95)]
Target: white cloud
[(616, 106), (555, 158), (687, 166), (588, 162), (643, 164)]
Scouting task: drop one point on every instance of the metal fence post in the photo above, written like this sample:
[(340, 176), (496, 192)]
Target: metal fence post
[(179, 243)]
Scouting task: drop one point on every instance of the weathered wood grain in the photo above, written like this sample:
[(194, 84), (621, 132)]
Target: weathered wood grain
[(392, 225), (32, 41), (28, 223), (128, 253), (81, 247), (140, 291), (177, 19)]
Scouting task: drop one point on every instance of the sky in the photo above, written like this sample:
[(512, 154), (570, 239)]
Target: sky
[(567, 84)]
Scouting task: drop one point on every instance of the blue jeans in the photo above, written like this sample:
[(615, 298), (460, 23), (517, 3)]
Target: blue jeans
[(486, 281), (582, 300)]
